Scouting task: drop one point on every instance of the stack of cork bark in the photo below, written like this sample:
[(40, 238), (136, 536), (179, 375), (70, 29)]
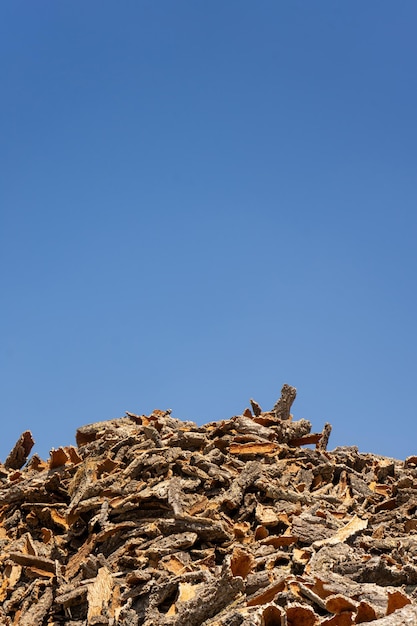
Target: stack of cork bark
[(250, 521)]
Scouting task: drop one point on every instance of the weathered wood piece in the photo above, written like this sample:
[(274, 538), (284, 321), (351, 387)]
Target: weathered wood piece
[(282, 407), (20, 452)]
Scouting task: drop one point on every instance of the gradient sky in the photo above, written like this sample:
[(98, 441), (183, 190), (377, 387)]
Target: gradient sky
[(201, 201)]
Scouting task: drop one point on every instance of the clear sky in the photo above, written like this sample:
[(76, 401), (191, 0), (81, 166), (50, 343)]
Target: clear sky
[(201, 201)]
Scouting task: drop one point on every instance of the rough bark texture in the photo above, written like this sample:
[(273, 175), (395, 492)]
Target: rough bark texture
[(19, 454), (152, 521)]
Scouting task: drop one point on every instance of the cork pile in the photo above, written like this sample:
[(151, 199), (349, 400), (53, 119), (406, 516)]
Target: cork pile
[(150, 520)]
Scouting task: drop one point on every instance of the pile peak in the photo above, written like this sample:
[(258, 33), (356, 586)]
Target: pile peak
[(150, 520)]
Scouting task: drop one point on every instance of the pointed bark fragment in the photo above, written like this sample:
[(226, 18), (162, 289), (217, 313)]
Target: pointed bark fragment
[(20, 452), (282, 407)]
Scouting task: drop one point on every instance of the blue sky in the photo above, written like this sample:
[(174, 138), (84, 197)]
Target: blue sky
[(201, 201)]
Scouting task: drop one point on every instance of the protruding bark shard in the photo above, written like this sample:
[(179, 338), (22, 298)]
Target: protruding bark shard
[(255, 408), (282, 407), (20, 452), (325, 435)]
